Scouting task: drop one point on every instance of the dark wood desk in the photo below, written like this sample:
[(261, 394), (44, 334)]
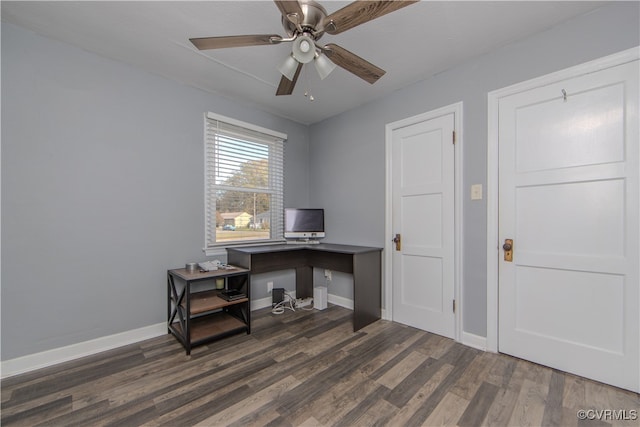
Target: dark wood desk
[(364, 263)]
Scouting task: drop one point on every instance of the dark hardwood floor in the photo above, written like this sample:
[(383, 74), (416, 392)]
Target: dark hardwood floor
[(309, 368)]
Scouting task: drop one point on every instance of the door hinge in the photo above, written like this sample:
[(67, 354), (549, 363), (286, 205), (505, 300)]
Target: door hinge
[(454, 306), (454, 137)]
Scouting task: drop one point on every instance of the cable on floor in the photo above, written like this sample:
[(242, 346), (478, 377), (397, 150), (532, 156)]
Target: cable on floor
[(280, 307)]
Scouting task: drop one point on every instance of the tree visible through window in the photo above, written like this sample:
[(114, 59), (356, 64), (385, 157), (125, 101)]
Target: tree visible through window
[(243, 182)]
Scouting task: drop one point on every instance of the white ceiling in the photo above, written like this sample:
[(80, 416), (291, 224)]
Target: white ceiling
[(411, 44)]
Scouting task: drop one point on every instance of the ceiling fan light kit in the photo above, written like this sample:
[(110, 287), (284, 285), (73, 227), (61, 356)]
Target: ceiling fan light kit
[(305, 22), (288, 67), (323, 65), (303, 49)]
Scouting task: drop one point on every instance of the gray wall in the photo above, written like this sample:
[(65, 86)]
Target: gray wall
[(102, 190), (348, 151), (102, 186)]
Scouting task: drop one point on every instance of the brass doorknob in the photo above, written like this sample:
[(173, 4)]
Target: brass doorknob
[(398, 241)]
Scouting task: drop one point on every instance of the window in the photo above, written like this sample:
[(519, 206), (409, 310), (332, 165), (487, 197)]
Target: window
[(243, 182)]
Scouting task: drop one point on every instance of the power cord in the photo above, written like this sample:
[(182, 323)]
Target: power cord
[(280, 307)]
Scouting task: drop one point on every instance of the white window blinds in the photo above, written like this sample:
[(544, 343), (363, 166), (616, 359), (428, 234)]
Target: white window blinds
[(244, 168)]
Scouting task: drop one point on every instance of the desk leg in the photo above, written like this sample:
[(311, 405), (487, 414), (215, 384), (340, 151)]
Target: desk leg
[(367, 289), (304, 281)]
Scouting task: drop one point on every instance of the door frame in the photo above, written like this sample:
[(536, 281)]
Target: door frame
[(493, 244), (456, 110)]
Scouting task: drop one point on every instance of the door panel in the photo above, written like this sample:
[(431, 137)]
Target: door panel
[(555, 216), (422, 297), (421, 158), (586, 129), (568, 197), (423, 213), (600, 296), (422, 238)]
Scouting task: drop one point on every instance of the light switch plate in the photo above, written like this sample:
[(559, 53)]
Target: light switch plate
[(476, 192)]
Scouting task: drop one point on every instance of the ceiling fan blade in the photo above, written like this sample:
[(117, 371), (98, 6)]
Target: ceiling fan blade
[(289, 9), (205, 43), (359, 12), (353, 63), (286, 86)]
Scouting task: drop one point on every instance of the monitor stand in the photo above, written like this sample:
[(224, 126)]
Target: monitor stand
[(303, 242)]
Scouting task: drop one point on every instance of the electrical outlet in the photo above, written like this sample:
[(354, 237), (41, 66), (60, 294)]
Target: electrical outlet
[(269, 286)]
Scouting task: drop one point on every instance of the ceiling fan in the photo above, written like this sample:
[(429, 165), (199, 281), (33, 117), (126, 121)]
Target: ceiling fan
[(305, 22)]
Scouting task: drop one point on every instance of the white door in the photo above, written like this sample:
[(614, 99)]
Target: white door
[(422, 188), (568, 198)]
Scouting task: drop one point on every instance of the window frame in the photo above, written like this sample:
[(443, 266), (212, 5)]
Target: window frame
[(255, 134)]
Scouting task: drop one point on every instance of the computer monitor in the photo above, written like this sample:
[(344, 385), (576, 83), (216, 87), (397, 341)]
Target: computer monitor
[(303, 223)]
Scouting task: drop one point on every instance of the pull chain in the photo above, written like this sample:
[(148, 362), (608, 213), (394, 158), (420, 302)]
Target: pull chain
[(307, 92)]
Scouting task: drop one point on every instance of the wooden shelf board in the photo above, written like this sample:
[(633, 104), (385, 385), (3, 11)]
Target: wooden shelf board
[(201, 302), (198, 275), (211, 326), (215, 324)]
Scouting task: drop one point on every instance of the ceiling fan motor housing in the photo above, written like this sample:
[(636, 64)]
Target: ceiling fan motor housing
[(312, 21)]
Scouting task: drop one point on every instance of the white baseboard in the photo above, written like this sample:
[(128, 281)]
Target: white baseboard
[(258, 304), (31, 362), (340, 301), (475, 341)]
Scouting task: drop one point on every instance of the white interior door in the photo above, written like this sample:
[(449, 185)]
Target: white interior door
[(422, 188), (568, 198)]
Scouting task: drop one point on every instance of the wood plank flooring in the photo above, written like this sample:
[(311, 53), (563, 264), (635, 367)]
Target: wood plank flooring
[(309, 368)]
